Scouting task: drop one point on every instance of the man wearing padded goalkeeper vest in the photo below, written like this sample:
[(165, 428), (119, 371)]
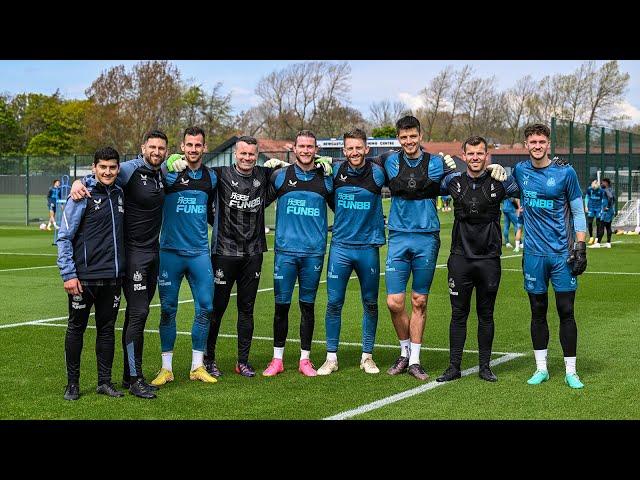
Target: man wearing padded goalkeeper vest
[(414, 240), (301, 241), (553, 211), (184, 251), (358, 233), (474, 261)]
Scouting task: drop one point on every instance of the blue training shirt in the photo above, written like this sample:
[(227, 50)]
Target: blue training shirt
[(414, 215), (184, 227), (594, 200), (301, 211), (358, 219), (547, 195)]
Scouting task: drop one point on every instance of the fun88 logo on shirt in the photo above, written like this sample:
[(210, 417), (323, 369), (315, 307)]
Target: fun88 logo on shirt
[(531, 199), (188, 205), (347, 200), (299, 207)]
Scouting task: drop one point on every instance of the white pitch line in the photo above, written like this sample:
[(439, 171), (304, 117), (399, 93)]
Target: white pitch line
[(292, 340), (414, 391), (34, 254), (26, 268)]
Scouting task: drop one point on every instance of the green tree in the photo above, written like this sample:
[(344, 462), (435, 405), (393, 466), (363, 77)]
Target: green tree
[(9, 128), (386, 131)]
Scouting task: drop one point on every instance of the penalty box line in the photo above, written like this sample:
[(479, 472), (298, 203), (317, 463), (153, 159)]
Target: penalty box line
[(414, 391)]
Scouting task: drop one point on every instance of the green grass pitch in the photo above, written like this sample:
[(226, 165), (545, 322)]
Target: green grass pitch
[(34, 312)]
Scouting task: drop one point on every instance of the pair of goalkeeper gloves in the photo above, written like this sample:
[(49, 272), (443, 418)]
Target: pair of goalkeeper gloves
[(496, 170), (324, 162)]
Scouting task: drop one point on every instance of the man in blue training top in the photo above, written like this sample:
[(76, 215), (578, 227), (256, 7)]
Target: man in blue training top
[(593, 200), (414, 238), (53, 195), (184, 251), (553, 214), (509, 209), (607, 213), (91, 262), (358, 233), (302, 191)]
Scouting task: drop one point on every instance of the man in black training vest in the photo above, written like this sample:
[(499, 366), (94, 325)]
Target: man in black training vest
[(475, 252)]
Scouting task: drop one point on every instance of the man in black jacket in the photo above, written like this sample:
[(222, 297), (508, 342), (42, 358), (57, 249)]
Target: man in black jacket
[(91, 262)]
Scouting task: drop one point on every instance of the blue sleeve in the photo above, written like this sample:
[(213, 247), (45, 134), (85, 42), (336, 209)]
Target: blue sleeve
[(577, 211), (511, 187), (71, 219), (328, 183), (277, 179), (436, 168), (126, 170), (444, 183), (214, 178), (89, 181), (392, 166), (378, 175), (50, 195), (572, 187), (336, 166), (170, 178)]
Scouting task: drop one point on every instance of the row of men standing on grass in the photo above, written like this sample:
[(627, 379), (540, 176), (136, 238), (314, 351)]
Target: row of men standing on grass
[(302, 191)]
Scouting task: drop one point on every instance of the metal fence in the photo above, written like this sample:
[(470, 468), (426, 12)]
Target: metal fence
[(599, 152)]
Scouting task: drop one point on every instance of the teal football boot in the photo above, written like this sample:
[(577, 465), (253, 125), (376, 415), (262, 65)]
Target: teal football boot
[(538, 377)]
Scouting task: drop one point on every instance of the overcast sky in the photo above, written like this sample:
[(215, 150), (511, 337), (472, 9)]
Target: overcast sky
[(371, 80)]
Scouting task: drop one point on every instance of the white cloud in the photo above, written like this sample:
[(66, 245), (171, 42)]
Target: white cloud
[(243, 98), (412, 101), (630, 110)]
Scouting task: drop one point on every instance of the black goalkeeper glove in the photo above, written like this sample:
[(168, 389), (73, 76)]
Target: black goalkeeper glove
[(578, 258)]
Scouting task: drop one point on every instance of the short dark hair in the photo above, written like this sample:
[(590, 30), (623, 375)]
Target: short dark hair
[(248, 140), (537, 129), (473, 141), (608, 181), (407, 122), (194, 132), (106, 153), (155, 134), (357, 133), (305, 133)]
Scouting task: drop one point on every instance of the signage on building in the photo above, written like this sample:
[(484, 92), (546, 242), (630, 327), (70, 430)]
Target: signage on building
[(371, 142)]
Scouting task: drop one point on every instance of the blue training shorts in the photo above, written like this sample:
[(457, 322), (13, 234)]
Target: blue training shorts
[(538, 270), (411, 252)]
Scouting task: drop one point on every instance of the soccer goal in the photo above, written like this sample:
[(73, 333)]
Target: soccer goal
[(628, 218)]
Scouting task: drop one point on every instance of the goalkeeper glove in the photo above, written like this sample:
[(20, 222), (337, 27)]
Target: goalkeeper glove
[(176, 163), (325, 163), (275, 163), (578, 258), (497, 172), (449, 162)]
